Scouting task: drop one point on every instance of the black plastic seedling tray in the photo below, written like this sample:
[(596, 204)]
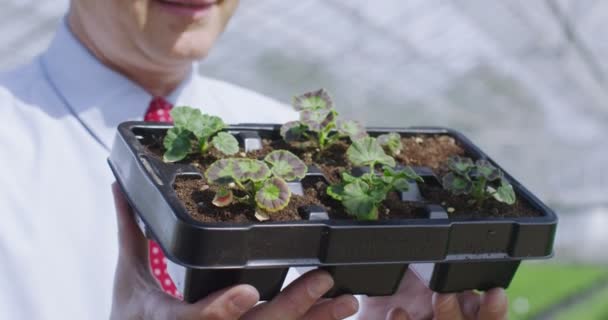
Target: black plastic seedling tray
[(363, 257)]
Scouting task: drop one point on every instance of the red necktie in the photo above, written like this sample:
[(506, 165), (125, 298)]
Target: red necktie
[(158, 111)]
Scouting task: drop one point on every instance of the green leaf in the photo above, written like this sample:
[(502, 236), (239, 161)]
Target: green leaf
[(221, 171), (186, 118), (460, 165), (286, 165), (368, 151), (178, 144), (336, 191), (203, 126), (505, 193), (226, 143), (316, 120), (223, 197), (250, 169), (401, 178), (208, 126), (457, 184), (401, 185), (293, 131), (353, 129), (315, 100), (347, 177), (410, 174), (274, 195), (487, 170), (357, 200), (379, 188), (391, 142)]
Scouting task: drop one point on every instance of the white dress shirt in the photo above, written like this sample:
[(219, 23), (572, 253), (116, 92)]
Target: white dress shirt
[(58, 117)]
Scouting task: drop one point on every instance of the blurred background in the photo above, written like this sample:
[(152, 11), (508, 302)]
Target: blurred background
[(526, 80)]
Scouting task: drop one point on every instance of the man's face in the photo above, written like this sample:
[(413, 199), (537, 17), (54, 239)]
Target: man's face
[(161, 32)]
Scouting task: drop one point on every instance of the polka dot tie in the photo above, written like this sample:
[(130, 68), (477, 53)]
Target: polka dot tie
[(158, 111)]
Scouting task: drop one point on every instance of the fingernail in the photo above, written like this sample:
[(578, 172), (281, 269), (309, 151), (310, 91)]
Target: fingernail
[(444, 302), (495, 300), (397, 314), (246, 299), (319, 285), (346, 308)]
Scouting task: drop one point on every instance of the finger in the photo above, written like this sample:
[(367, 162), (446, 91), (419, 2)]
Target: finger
[(413, 295), (295, 300), (398, 314), (469, 304), (333, 309), (494, 305), (227, 304), (132, 243), (446, 307)]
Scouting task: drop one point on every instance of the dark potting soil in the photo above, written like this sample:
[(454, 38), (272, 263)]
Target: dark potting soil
[(154, 145), (425, 150), (465, 209), (392, 208), (197, 198), (331, 161), (430, 151)]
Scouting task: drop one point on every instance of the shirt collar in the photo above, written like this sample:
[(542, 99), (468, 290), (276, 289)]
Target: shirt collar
[(98, 96)]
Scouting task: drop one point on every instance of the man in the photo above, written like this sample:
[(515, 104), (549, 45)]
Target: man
[(108, 61)]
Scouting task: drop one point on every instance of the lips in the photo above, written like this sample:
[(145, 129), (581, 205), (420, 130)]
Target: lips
[(189, 8), (190, 3)]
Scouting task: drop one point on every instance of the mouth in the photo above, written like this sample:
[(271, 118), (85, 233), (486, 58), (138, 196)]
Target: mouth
[(193, 8)]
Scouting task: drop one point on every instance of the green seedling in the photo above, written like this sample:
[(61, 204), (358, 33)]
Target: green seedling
[(362, 196), (193, 128), (264, 183), (391, 142), (319, 122), (481, 180)]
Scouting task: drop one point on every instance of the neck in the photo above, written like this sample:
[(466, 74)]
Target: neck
[(156, 82)]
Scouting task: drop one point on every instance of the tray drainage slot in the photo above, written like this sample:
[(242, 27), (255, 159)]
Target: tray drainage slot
[(313, 213), (251, 140), (412, 194), (436, 212), (296, 188)]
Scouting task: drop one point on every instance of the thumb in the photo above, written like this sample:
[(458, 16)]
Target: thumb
[(136, 294), (133, 245), (398, 314), (132, 277)]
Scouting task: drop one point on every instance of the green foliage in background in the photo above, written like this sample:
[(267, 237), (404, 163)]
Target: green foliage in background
[(541, 286)]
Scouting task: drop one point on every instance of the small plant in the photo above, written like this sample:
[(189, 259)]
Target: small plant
[(362, 196), (391, 142), (192, 125), (319, 122), (264, 183), (480, 179)]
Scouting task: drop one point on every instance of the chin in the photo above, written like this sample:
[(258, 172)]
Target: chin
[(185, 48), (194, 49), (180, 38)]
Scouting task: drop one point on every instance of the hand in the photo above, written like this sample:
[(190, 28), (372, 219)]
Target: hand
[(137, 295), (413, 301)]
